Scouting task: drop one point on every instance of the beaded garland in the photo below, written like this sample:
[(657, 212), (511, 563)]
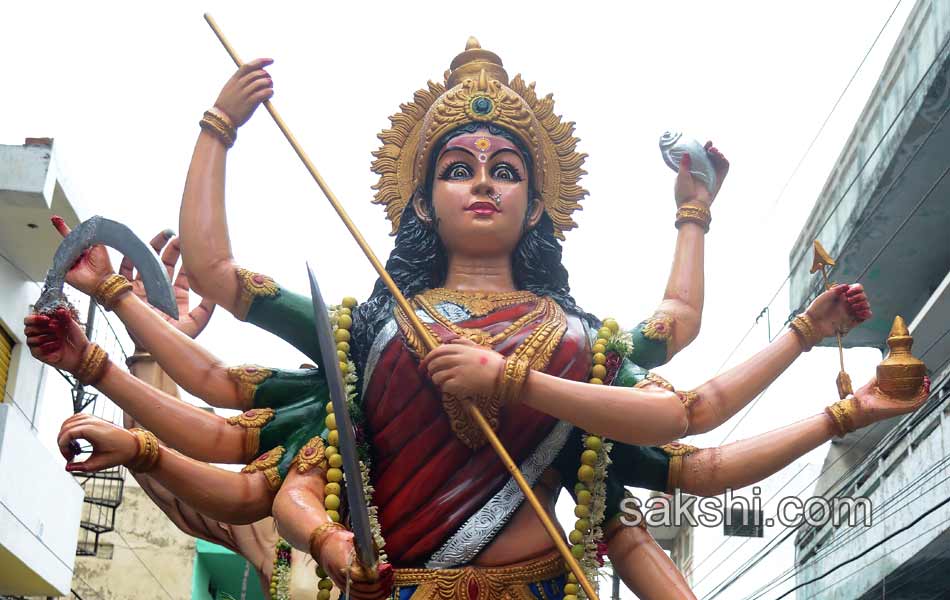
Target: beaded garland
[(586, 538), (280, 577), (341, 320)]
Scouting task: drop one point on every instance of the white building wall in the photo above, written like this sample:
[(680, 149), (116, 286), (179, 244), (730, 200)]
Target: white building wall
[(39, 502)]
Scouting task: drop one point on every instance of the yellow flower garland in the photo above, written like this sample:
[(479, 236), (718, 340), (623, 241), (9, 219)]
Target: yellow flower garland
[(590, 489), (333, 490)]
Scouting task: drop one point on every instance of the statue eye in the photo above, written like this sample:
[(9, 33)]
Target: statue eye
[(505, 172), (457, 171)]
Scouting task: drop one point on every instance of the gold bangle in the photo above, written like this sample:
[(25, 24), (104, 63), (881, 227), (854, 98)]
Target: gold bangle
[(694, 213), (92, 365), (842, 415), (513, 376), (222, 116), (220, 127), (109, 290), (148, 454), (318, 535), (808, 335)]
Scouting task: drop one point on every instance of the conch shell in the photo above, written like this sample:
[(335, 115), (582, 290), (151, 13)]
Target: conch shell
[(672, 147)]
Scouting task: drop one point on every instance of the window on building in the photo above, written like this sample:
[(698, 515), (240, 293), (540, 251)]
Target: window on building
[(6, 351), (743, 522)]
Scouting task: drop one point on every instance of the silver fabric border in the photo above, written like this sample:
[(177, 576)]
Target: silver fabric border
[(482, 526), (451, 311)]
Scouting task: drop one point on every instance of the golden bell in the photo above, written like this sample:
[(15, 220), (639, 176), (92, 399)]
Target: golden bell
[(900, 374)]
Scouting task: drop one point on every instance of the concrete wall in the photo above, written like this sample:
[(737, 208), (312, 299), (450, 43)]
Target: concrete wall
[(39, 502), (148, 553), (902, 486)]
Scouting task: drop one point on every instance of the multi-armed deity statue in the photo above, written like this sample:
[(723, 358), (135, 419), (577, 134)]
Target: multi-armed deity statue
[(470, 342)]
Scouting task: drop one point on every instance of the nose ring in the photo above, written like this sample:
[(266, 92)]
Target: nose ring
[(496, 198)]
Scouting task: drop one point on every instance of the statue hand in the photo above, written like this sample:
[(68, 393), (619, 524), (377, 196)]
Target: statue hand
[(689, 189), (111, 445), (840, 309), (338, 558), (874, 405), (243, 93), (193, 321), (464, 369), (55, 339), (92, 267)]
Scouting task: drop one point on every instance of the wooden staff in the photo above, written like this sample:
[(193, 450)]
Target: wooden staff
[(430, 342), (820, 262)]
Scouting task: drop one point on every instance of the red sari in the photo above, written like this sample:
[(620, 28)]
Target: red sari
[(427, 481)]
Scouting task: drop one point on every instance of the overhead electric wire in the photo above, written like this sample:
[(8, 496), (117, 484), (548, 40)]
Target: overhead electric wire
[(142, 562), (726, 539), (868, 214), (854, 180), (828, 468), (716, 590), (824, 123), (888, 510), (882, 557), (870, 548), (853, 475)]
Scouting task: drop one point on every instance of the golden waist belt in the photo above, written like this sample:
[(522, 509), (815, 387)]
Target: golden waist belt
[(479, 583)]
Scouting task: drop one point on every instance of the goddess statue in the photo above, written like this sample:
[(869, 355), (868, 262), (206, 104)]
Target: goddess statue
[(479, 178)]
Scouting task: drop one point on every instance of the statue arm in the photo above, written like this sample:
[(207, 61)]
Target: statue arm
[(682, 304), (716, 401), (633, 416), (303, 521), (199, 434), (710, 471), (221, 495), (643, 566), (683, 299), (205, 241), (255, 542), (186, 361)]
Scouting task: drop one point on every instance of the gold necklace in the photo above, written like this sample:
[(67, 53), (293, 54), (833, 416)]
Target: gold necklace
[(478, 304), (534, 351), (480, 336)]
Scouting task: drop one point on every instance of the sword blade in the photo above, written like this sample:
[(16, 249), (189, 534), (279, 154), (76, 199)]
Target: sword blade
[(359, 516)]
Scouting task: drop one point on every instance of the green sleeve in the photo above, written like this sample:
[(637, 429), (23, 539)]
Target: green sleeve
[(651, 340), (287, 315), (294, 405), (639, 466)]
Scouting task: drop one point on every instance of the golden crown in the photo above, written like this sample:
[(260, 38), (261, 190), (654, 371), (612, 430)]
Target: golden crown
[(477, 90)]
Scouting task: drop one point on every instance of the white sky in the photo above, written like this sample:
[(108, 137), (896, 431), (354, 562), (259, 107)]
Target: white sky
[(122, 87)]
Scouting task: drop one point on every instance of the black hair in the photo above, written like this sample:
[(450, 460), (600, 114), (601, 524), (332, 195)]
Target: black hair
[(418, 260)]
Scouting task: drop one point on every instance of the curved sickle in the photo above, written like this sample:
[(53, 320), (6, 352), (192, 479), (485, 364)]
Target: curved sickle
[(99, 230)]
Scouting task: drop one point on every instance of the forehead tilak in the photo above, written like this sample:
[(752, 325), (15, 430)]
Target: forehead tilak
[(481, 145)]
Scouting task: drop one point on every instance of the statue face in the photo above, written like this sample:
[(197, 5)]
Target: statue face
[(480, 195)]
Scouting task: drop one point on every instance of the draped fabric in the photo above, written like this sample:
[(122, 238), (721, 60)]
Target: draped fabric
[(427, 481)]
